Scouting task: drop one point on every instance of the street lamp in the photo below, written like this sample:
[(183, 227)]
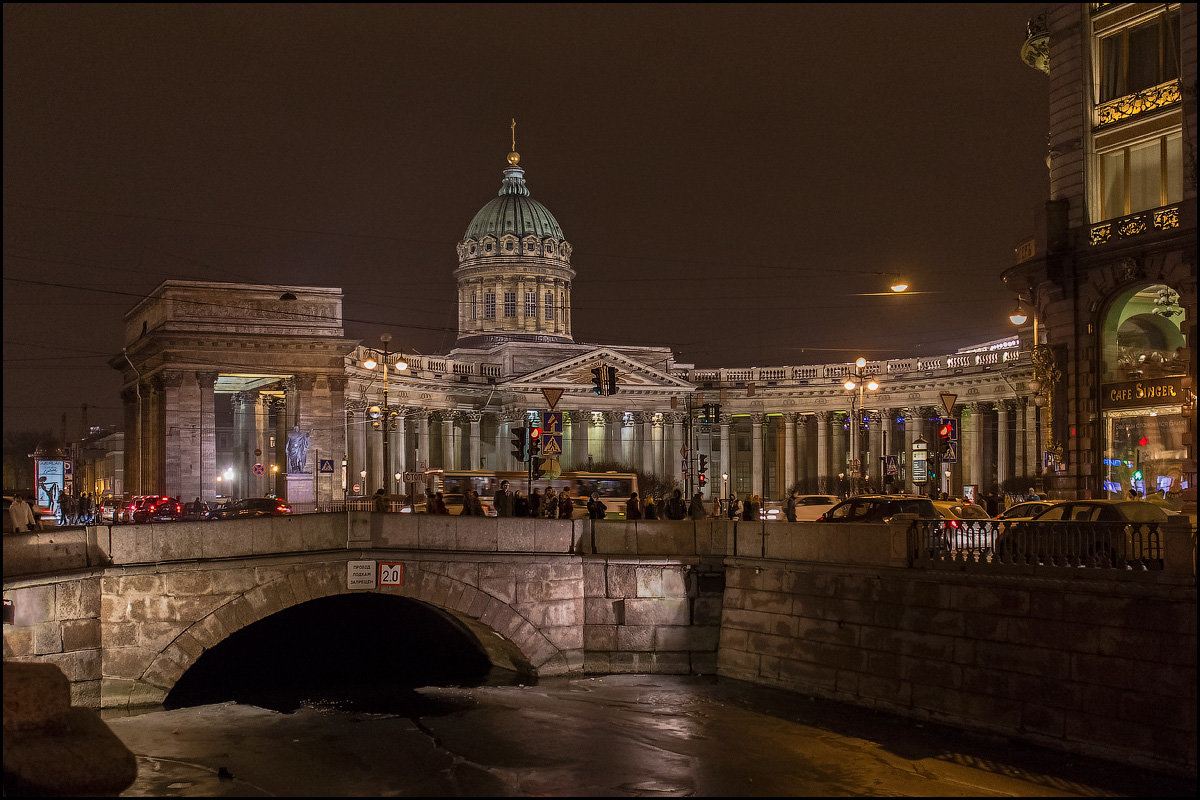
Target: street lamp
[(384, 417), (855, 464), (1046, 376)]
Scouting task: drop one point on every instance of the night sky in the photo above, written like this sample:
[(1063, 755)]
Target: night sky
[(735, 179)]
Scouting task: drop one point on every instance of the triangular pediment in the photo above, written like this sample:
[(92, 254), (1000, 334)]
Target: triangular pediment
[(575, 374)]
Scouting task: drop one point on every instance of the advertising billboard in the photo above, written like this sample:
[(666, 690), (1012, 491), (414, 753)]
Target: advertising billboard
[(50, 481)]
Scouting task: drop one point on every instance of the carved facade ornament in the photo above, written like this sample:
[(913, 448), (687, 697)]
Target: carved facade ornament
[(1156, 97)]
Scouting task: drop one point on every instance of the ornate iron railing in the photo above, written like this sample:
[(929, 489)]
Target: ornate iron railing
[(1059, 543)]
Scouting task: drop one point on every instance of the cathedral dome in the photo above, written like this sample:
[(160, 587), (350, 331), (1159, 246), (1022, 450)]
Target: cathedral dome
[(514, 212)]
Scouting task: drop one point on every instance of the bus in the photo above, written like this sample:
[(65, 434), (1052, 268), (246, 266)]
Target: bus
[(614, 488)]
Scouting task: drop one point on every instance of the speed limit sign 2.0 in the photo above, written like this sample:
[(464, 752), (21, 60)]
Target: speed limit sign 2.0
[(391, 573)]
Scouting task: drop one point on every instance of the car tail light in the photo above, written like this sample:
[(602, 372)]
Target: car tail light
[(281, 508), (953, 523)]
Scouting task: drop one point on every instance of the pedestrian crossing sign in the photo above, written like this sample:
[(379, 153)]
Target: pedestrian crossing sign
[(326, 466), (951, 453), (552, 445)]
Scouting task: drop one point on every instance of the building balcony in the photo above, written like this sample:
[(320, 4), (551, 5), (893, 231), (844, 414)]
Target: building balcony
[(1165, 218)]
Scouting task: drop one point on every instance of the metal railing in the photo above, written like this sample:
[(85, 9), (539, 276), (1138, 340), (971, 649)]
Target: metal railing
[(1073, 544)]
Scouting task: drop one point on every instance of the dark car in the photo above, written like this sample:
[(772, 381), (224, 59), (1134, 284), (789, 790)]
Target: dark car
[(880, 508), (249, 508), (158, 508), (1025, 510), (1111, 533)]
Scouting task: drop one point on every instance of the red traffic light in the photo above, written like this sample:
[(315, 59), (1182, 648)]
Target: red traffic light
[(535, 433), (946, 429), (1142, 442)]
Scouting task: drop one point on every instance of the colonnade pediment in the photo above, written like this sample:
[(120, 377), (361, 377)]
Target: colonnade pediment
[(576, 372)]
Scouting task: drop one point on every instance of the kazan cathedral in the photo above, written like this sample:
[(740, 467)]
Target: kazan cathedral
[(1091, 397)]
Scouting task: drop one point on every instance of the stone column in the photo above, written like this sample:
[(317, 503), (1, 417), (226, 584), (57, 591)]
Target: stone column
[(581, 422), (279, 452), (645, 422), (1033, 458), (400, 443), (243, 442), (756, 451), (446, 421), (207, 419), (974, 442), (673, 458), (823, 477), (803, 473), (375, 466), (658, 433), (874, 468), (789, 452), (307, 414), (726, 456), (423, 445), (1003, 472), (475, 418), (910, 435)]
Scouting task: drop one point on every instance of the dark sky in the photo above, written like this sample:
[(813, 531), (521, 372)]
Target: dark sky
[(733, 178)]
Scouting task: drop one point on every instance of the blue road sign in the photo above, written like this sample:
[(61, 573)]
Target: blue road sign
[(951, 453), (891, 465), (326, 466)]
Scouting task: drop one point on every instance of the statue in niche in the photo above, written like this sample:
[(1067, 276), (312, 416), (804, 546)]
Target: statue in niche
[(297, 449)]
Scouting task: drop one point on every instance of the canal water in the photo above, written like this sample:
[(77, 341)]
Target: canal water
[(625, 735)]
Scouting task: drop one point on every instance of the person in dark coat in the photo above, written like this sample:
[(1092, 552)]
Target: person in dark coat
[(696, 508), (566, 508), (633, 507), (651, 509), (596, 508), (503, 500), (520, 505), (675, 506)]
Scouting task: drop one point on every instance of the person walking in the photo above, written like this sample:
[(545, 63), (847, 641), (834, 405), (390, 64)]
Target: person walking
[(472, 505), (734, 510), (503, 500), (596, 508), (550, 503), (650, 509), (696, 508), (633, 507), (21, 514), (566, 508), (675, 506), (789, 509)]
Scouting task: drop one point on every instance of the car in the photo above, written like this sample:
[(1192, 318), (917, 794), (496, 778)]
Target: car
[(250, 508), (1025, 510), (967, 529), (1113, 533), (880, 508), (109, 511), (158, 508), (810, 507)]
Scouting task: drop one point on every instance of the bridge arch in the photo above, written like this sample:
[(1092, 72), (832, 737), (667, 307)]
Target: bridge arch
[(504, 628)]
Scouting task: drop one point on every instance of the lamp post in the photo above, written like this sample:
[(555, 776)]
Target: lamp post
[(1046, 376), (851, 384), (384, 417)]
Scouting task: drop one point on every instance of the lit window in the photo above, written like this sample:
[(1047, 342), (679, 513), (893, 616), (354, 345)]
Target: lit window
[(1141, 176), (1139, 57), (510, 304), (489, 305)]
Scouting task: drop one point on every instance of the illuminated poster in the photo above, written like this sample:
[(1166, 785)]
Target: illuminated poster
[(49, 481)]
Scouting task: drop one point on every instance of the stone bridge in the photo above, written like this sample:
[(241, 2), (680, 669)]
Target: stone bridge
[(1101, 662)]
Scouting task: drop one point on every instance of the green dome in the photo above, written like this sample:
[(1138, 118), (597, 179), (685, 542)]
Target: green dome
[(513, 211)]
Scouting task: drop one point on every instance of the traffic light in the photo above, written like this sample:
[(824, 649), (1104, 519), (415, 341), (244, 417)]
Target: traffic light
[(703, 479), (520, 441), (703, 465), (598, 380), (535, 443), (948, 429), (612, 380), (537, 467)]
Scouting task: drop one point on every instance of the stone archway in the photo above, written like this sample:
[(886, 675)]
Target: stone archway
[(508, 638)]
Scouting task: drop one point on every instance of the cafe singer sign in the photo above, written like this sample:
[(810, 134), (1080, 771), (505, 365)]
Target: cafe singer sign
[(1149, 392)]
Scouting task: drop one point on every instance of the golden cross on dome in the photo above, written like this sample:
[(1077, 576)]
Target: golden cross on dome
[(514, 157)]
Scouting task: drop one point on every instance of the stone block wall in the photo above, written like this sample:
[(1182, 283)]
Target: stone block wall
[(1105, 668), (57, 621)]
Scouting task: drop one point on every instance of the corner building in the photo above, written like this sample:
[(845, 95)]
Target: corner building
[(1111, 268)]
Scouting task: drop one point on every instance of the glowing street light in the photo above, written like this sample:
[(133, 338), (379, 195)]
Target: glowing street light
[(855, 420)]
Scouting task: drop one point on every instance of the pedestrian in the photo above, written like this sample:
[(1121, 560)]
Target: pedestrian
[(472, 505), (675, 506), (535, 503), (439, 504), (21, 514), (751, 508), (596, 508), (503, 501), (696, 509), (566, 508), (550, 503), (520, 505), (734, 511), (633, 507), (789, 509), (991, 501), (650, 511), (381, 501), (1134, 494)]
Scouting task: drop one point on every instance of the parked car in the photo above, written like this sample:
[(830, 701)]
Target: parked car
[(249, 508), (110, 510), (1025, 510), (158, 508), (810, 507), (1101, 532), (880, 508), (965, 524)]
